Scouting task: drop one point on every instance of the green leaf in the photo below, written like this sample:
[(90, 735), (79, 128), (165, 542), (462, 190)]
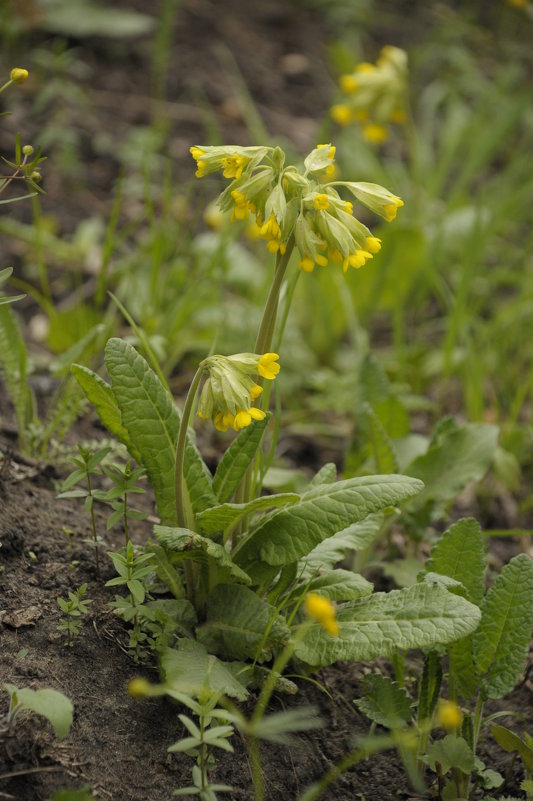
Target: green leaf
[(326, 475), (292, 533), (165, 571), (510, 742), (417, 617), (193, 545), (501, 642), (80, 19), (149, 415), (460, 554), (100, 394), (354, 538), (237, 458), (277, 727), (450, 752), (429, 686), (13, 368), (381, 446), (340, 585), (219, 518), (458, 456), (51, 704), (190, 669), (237, 620), (385, 701)]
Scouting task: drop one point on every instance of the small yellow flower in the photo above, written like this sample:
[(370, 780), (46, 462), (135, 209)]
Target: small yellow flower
[(348, 84), (233, 166), (19, 75), (356, 260), (321, 202), (244, 417), (323, 611), (375, 133), (139, 688), (449, 716), (373, 244), (267, 366), (341, 114)]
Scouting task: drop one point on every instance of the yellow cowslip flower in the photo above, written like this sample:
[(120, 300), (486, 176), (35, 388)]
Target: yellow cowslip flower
[(234, 165), (373, 244), (449, 715), (375, 94), (341, 113), (229, 392), (323, 611), (348, 84), (241, 210), (18, 75), (356, 260), (267, 366), (321, 202), (375, 133), (271, 229), (139, 687)]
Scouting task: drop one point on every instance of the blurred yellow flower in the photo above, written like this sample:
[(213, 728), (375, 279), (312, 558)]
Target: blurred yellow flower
[(323, 611)]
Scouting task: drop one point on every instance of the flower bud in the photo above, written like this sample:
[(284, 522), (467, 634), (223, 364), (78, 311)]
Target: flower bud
[(19, 75)]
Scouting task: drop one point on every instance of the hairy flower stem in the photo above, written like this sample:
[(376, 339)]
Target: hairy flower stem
[(184, 515), (93, 524), (263, 343)]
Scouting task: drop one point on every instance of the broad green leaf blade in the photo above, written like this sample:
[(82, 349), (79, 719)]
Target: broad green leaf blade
[(450, 752), (458, 456), (191, 544), (239, 623), (237, 458), (81, 19), (381, 446), (385, 701), (100, 394), (510, 742), (219, 518), (501, 642), (149, 415), (166, 572), (323, 511), (190, 669), (417, 617), (326, 475), (460, 554), (51, 704), (341, 585), (356, 537), (278, 727)]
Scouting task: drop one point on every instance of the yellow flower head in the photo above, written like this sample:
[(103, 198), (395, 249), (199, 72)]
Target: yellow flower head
[(233, 166), (267, 366), (321, 202), (375, 133), (139, 688), (323, 611), (229, 392), (449, 716), (19, 75)]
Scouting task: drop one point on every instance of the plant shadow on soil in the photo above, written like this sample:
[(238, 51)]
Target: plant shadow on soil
[(118, 745)]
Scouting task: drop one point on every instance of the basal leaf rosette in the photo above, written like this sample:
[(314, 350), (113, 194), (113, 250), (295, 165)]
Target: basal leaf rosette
[(375, 95), (229, 391), (287, 205)]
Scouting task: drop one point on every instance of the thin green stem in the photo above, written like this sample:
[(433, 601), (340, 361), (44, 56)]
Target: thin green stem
[(266, 329), (183, 514), (93, 523)]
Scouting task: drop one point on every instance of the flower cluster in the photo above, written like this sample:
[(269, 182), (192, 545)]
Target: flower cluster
[(301, 205), (375, 95), (229, 391), (323, 611)]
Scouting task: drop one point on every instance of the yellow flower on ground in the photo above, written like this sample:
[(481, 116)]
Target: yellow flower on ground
[(449, 716), (18, 75), (323, 611), (139, 687)]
